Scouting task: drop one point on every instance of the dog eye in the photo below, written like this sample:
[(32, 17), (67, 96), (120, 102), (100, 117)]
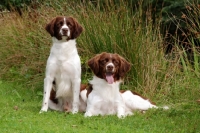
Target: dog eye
[(69, 24), (115, 62), (103, 61), (59, 24)]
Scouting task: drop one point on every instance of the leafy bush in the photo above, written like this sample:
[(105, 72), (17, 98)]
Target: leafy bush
[(18, 5), (174, 26)]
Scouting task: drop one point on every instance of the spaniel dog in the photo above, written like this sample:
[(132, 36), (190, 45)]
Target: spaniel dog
[(63, 65), (103, 96)]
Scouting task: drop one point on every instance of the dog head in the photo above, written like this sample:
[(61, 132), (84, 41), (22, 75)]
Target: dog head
[(108, 66), (64, 28)]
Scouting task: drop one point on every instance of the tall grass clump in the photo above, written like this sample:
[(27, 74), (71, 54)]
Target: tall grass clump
[(191, 18), (186, 53), (23, 48), (118, 28)]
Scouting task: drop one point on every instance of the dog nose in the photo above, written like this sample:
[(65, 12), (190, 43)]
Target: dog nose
[(110, 67), (65, 30)]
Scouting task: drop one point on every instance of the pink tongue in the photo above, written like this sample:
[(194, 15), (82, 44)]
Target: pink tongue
[(109, 79)]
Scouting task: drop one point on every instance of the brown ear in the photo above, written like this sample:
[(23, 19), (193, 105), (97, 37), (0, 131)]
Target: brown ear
[(77, 28), (50, 27), (125, 66), (93, 63)]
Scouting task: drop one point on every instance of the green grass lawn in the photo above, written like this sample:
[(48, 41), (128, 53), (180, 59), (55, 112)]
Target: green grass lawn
[(20, 113)]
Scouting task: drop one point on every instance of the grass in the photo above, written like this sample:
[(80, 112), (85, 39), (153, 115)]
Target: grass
[(20, 113), (24, 49)]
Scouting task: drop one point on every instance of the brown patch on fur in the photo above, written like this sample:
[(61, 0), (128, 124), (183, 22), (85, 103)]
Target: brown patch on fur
[(53, 96), (89, 89), (83, 87)]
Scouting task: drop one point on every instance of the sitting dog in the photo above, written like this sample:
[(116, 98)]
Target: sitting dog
[(103, 96), (63, 65)]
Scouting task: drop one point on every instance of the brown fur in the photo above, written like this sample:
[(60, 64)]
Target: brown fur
[(98, 63), (88, 87), (54, 26), (83, 87), (53, 96)]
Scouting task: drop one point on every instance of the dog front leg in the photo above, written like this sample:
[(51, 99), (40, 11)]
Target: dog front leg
[(90, 110), (76, 90), (120, 111), (48, 81)]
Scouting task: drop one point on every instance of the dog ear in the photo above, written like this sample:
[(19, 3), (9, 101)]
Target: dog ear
[(77, 28), (50, 27), (125, 66), (93, 63)]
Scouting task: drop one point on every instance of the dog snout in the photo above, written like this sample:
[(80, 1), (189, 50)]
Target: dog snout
[(110, 67), (65, 30)]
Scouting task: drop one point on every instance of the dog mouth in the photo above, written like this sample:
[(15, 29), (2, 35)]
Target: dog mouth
[(109, 77), (64, 35)]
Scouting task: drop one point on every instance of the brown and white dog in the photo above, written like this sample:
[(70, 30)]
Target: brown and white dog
[(104, 96), (63, 65)]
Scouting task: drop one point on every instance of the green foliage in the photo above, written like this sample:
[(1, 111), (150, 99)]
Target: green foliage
[(175, 28), (19, 5), (9, 4)]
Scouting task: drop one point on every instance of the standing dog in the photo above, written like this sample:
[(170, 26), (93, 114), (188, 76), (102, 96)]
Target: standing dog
[(63, 65)]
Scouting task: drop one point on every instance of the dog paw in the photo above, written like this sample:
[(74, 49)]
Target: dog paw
[(74, 111), (87, 114), (121, 116), (42, 111)]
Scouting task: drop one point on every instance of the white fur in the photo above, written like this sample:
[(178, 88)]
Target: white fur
[(83, 101), (105, 99), (63, 65), (83, 95), (135, 102)]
